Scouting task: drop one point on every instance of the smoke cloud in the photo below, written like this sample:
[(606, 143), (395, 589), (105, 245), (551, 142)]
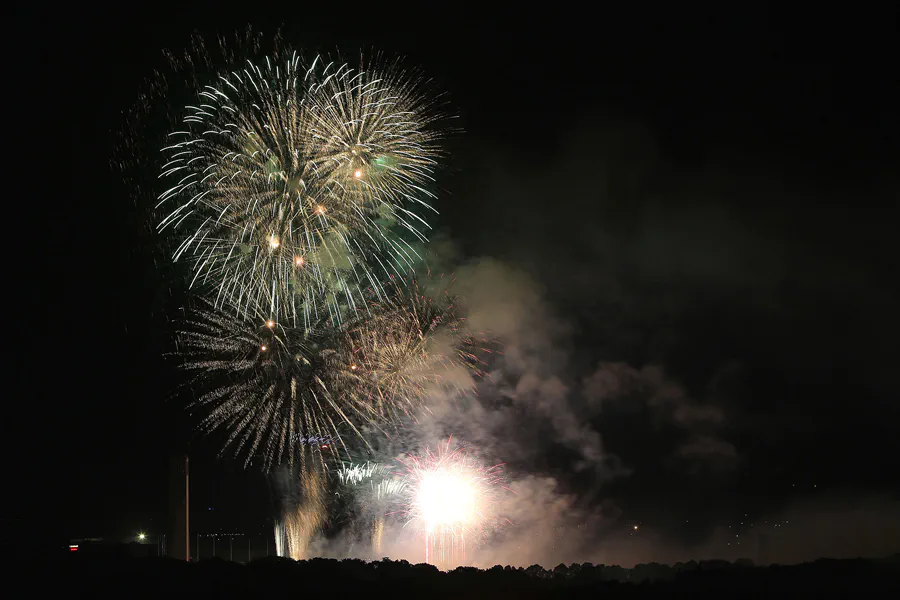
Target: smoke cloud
[(628, 390)]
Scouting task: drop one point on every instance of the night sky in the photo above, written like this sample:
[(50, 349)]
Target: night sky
[(703, 204)]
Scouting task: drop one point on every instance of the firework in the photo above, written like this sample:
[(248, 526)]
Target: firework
[(369, 488), (372, 125), (302, 519), (274, 387), (287, 184), (271, 387), (351, 474), (410, 346), (295, 191), (452, 501), (380, 496)]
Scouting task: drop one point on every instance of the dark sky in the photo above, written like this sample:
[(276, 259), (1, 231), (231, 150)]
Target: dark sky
[(705, 201)]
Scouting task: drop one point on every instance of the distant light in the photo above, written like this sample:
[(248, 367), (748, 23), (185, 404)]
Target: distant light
[(320, 209), (263, 347), (298, 260), (73, 547), (352, 367), (635, 527), (274, 242), (357, 173), (270, 323), (142, 536)]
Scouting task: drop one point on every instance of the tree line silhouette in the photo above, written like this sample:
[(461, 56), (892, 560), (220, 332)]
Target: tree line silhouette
[(123, 576)]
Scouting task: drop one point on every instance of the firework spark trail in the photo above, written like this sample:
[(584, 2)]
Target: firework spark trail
[(379, 499), (377, 536), (452, 500), (300, 522), (372, 488), (286, 181), (351, 474)]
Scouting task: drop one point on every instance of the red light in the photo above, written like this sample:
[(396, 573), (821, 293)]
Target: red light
[(73, 548)]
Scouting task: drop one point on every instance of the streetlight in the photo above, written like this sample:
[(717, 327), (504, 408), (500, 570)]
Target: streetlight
[(142, 536)]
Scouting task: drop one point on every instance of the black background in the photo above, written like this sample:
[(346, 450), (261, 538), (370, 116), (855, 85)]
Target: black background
[(785, 123)]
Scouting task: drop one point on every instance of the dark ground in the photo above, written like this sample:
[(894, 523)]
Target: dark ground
[(117, 576)]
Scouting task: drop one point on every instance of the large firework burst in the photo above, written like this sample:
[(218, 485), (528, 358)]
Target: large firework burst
[(287, 182), (271, 386)]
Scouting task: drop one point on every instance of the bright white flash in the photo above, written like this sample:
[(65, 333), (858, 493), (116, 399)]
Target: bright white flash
[(447, 498)]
